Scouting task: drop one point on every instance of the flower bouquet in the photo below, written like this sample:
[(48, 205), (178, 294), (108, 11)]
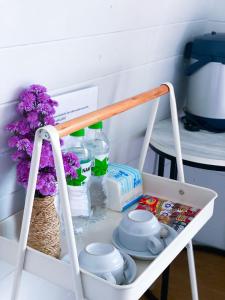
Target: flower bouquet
[(37, 109)]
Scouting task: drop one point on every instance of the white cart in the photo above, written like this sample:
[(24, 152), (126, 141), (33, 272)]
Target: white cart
[(21, 263)]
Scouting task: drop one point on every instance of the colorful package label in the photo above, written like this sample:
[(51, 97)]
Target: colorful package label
[(168, 212)]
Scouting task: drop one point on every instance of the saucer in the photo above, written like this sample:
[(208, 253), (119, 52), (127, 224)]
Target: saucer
[(131, 267), (144, 255)]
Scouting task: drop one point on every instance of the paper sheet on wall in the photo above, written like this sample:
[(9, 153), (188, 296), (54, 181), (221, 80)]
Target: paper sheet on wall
[(75, 104)]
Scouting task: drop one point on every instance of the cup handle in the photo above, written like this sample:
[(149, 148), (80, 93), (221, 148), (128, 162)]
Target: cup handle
[(109, 277), (126, 270), (154, 245)]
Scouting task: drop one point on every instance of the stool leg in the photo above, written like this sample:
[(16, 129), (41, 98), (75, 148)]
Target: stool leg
[(161, 165), (155, 164), (165, 284), (192, 271), (150, 296)]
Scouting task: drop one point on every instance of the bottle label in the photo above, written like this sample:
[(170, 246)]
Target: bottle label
[(100, 165), (79, 202), (86, 169), (83, 175)]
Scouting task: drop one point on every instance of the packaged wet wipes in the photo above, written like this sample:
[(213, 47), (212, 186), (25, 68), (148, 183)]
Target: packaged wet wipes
[(122, 186)]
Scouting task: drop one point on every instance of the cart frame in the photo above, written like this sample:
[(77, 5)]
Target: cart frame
[(52, 134)]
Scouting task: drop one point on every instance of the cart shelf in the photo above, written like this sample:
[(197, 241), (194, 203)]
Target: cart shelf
[(58, 272)]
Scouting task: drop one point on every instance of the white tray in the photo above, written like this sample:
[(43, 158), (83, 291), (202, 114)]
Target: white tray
[(58, 273)]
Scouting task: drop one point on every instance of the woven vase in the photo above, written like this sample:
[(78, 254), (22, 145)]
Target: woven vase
[(44, 232)]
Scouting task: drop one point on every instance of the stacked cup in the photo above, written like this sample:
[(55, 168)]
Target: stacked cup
[(105, 261)]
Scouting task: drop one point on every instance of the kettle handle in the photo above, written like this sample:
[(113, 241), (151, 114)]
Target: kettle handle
[(197, 65)]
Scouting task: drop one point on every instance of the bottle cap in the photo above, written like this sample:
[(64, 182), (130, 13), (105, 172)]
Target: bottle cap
[(98, 125), (80, 132)]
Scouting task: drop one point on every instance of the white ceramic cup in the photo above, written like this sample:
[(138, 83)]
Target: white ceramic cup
[(105, 261), (139, 230)]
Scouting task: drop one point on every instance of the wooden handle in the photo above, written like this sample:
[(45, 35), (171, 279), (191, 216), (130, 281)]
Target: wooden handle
[(106, 112)]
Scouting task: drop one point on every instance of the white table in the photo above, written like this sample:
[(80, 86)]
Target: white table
[(201, 149)]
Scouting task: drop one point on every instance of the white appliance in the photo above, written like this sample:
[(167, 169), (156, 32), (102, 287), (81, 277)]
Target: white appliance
[(205, 107)]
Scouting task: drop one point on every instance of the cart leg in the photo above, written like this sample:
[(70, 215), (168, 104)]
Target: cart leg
[(161, 165), (52, 135), (192, 271), (166, 273), (27, 215)]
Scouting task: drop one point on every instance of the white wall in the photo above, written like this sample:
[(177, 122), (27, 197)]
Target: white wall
[(124, 47), (217, 17)]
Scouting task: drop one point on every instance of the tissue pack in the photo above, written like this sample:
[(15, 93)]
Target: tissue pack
[(122, 186)]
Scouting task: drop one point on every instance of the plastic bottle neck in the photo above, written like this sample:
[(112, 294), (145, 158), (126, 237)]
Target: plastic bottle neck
[(78, 138), (96, 130)]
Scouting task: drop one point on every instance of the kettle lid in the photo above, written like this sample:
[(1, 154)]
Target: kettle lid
[(206, 48)]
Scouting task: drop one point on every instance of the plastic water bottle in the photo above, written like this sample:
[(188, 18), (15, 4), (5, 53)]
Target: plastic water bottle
[(78, 188), (98, 146)]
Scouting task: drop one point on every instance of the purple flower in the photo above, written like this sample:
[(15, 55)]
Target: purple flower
[(19, 127), (45, 109), (12, 127), (23, 169), (53, 102), (46, 156), (27, 102), (19, 155), (50, 170), (46, 184), (26, 146), (43, 98), (23, 127), (61, 142), (71, 163), (36, 109), (49, 120), (13, 140), (37, 89), (33, 119)]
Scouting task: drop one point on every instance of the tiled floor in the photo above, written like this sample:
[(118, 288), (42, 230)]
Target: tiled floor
[(210, 273)]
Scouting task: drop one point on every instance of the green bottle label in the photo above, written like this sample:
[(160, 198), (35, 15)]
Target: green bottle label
[(83, 175), (100, 165)]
